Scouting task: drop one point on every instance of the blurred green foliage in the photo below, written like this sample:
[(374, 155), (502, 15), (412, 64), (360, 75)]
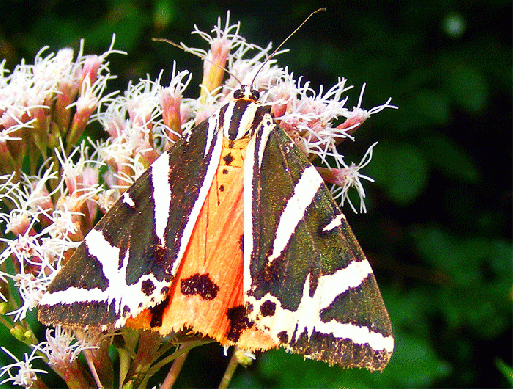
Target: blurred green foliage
[(438, 229)]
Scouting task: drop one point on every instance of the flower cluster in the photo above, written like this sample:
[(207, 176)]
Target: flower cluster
[(49, 207)]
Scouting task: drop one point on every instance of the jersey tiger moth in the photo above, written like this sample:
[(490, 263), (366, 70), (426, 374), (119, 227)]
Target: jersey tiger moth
[(231, 234)]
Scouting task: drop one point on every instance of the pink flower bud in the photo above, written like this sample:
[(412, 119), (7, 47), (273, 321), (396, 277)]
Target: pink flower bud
[(90, 69), (42, 200), (114, 126), (334, 176), (18, 223), (355, 120), (213, 67), (170, 102)]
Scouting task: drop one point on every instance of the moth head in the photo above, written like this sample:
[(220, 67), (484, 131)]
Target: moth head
[(245, 92)]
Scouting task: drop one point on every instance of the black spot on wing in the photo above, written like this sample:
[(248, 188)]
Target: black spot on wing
[(228, 159), (200, 284), (268, 308), (283, 337), (147, 287), (238, 322), (221, 188), (157, 312), (126, 311)]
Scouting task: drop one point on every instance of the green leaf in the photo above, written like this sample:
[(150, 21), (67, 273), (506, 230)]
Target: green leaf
[(477, 284), (415, 363), (164, 13), (433, 106), (129, 26), (410, 310), (505, 369), (450, 158), (468, 86), (401, 170)]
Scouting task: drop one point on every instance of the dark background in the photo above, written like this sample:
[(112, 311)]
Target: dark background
[(438, 229)]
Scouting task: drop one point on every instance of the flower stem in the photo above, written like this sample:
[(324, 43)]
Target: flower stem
[(230, 371), (176, 367)]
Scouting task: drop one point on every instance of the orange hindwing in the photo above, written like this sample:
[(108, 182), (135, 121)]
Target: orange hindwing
[(206, 295)]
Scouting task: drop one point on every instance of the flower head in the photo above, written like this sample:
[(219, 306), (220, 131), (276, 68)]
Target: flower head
[(222, 41), (346, 176), (40, 98), (26, 374), (62, 350), (61, 347)]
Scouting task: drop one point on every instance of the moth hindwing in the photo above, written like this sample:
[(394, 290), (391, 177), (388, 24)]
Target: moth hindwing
[(232, 235)]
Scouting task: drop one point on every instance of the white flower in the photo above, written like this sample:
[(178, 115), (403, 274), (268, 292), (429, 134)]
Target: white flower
[(61, 347), (221, 39), (358, 115), (350, 177), (26, 375), (31, 289), (79, 173), (28, 198)]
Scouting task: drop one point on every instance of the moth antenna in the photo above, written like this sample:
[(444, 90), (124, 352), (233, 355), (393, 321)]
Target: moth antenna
[(282, 43), (180, 46)]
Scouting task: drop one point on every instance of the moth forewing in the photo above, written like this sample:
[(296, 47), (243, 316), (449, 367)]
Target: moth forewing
[(307, 280)]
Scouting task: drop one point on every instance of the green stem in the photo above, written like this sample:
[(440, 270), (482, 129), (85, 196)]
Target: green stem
[(230, 371), (184, 349), (176, 367)]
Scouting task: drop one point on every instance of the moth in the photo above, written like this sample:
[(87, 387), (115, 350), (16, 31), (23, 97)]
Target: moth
[(233, 235)]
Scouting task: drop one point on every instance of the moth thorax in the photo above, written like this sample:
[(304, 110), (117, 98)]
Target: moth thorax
[(239, 118)]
